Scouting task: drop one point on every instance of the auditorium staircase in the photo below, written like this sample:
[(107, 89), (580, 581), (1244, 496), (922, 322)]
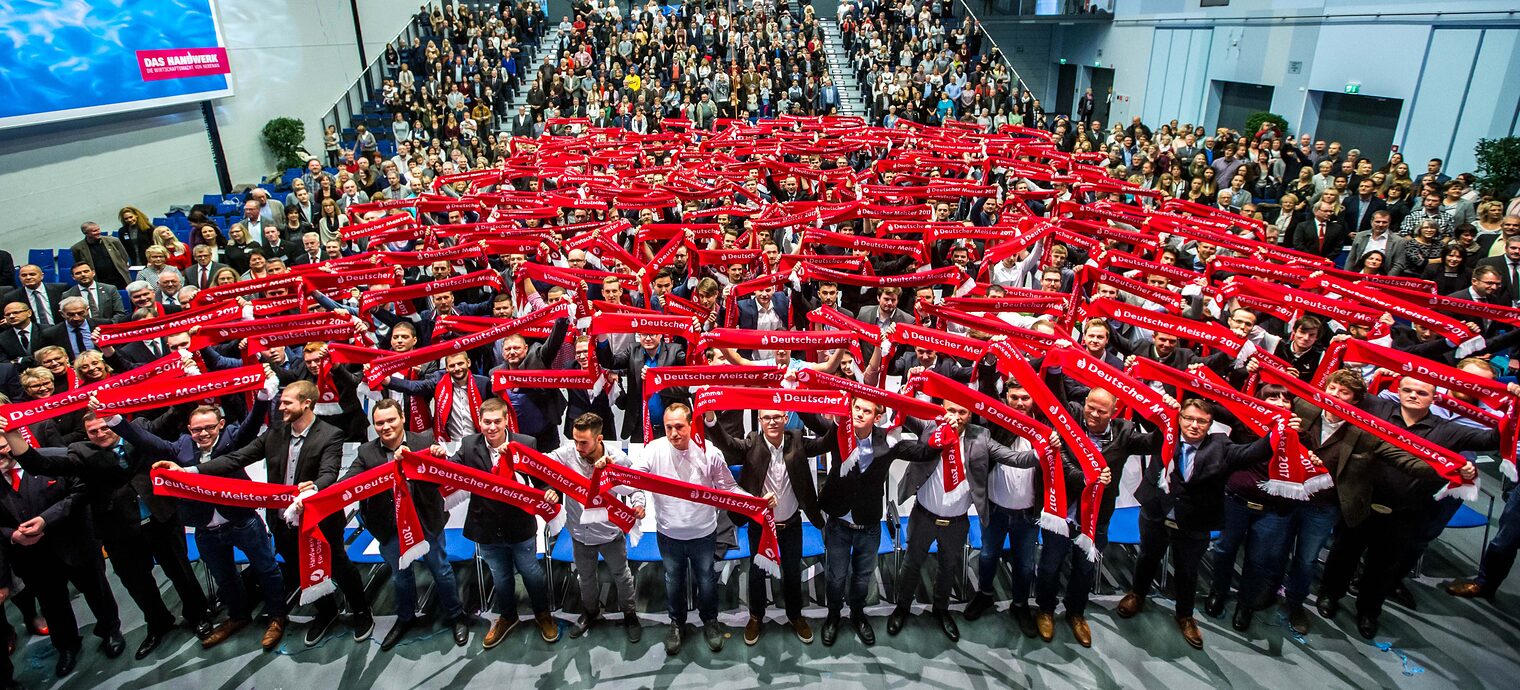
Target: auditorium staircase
[(852, 99), (548, 46)]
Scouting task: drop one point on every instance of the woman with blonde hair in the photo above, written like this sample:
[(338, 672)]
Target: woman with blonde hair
[(157, 262), (136, 229), (179, 252)]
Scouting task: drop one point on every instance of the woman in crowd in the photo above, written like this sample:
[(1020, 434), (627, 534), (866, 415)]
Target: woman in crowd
[(179, 252), (136, 232)]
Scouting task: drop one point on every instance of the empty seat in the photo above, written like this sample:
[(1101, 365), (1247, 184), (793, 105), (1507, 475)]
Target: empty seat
[(41, 257)]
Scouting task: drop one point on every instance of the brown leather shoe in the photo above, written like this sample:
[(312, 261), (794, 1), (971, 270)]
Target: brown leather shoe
[(803, 630), (1190, 632), (1468, 590), (224, 631), (274, 633), (1080, 630), (498, 632), (1130, 605), (1046, 624), (752, 630), (547, 627)]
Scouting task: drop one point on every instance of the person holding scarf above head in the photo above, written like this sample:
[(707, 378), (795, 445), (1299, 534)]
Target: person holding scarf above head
[(648, 351), (505, 533), (1180, 502), (378, 514), (403, 338), (591, 541), (455, 397), (538, 410), (337, 389), (687, 530), (776, 462), (302, 451), (940, 512)]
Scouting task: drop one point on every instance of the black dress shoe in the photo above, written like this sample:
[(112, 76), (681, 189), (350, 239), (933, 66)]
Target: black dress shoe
[(863, 630), (67, 659), (1402, 596), (112, 646), (1242, 620), (397, 632), (1327, 607), (1367, 627), (1213, 607), (830, 630), (1022, 617), (895, 622), (461, 631), (150, 642), (947, 624), (202, 628), (980, 604)]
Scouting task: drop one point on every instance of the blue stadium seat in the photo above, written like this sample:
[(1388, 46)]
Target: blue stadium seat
[(41, 257), (1467, 518), (160, 220), (182, 233), (212, 199), (812, 541), (66, 265), (1124, 526), (741, 552), (459, 548)]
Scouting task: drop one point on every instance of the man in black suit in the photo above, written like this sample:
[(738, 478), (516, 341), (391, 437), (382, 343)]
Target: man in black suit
[(507, 535), (885, 311), (202, 272), (48, 542), (219, 529), (310, 252), (74, 332), (43, 298), (378, 514), (1508, 266), (277, 247), (648, 351), (318, 450), (103, 300), (940, 516), (918, 359), (22, 335), (1359, 208), (1181, 514), (600, 403), (777, 463), (539, 410), (1321, 235), (115, 474), (851, 498)]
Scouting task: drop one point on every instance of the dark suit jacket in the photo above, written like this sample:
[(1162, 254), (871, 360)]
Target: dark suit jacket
[(378, 513), (753, 452), (981, 453), (1198, 501), (1354, 459), (1354, 207), (115, 250), (151, 438), (488, 521), (62, 335), (749, 311), (1306, 237), (54, 292), (10, 344), (108, 305), (60, 501), (1507, 294), (193, 274), (943, 364), (631, 362), (320, 459), (856, 493)]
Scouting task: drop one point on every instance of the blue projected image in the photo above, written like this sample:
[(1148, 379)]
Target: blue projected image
[(76, 58)]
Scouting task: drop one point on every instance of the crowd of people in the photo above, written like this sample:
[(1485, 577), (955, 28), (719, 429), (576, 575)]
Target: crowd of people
[(586, 327)]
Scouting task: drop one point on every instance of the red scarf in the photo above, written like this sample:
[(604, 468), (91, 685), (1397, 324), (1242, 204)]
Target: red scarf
[(443, 403), (1053, 510), (659, 378), (406, 293), (1011, 363), (316, 553), (77, 398), (113, 334), (715, 398), (381, 369), (767, 556), (495, 486), (581, 488), (272, 326), (156, 393), (902, 405), (222, 491), (1146, 401)]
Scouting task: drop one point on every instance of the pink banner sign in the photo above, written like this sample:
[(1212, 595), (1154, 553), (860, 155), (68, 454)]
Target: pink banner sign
[(179, 63)]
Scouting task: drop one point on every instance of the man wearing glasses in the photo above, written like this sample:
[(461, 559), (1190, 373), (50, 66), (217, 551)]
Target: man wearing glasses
[(777, 465)]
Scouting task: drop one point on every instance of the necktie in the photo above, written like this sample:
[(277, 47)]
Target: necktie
[(26, 340), (16, 480), (171, 301), (1321, 235), (39, 305), (205, 278), (79, 344), (89, 298), (155, 348), (1514, 279), (1187, 461)]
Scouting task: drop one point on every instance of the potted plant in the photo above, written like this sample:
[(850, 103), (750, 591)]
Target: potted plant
[(1255, 121), (1498, 166), (285, 136)]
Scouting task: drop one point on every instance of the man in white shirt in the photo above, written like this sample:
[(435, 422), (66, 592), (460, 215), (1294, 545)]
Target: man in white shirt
[(590, 540), (687, 530)]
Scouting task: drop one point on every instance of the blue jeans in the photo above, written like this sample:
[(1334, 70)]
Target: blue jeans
[(1311, 528), (250, 536), (520, 558), (404, 583), (1266, 544), (680, 555), (1500, 556), (850, 557), (1237, 523), (1021, 527)]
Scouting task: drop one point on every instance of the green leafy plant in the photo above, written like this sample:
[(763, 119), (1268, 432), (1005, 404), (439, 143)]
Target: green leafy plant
[(285, 136), (1253, 123), (1498, 166)]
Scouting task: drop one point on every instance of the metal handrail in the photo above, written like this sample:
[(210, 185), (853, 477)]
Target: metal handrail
[(412, 31), (977, 21)]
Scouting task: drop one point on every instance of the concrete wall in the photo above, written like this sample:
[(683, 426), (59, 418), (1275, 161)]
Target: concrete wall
[(1457, 73), (289, 58)]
